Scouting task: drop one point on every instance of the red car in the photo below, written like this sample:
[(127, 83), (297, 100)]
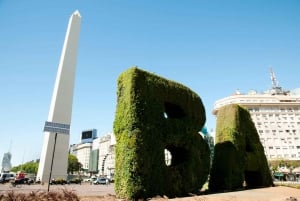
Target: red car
[(22, 181)]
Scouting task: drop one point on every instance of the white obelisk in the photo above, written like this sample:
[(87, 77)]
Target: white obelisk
[(54, 155)]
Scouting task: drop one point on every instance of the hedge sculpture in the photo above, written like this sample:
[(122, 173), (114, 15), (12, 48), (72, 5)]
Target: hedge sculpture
[(239, 155), (154, 114)]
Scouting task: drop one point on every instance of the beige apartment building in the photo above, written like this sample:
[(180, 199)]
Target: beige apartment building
[(276, 115)]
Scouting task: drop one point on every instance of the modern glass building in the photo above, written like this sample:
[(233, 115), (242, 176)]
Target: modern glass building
[(88, 136)]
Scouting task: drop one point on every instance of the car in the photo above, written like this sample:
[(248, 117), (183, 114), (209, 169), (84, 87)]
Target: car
[(27, 181), (87, 180), (90, 179), (100, 180), (74, 181), (6, 177), (58, 181)]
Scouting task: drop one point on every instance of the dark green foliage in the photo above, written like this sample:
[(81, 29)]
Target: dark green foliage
[(32, 166), (284, 163), (239, 155), (73, 163), (154, 114), (28, 167)]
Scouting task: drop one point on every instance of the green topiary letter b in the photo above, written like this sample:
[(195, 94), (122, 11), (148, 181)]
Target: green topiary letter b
[(153, 115)]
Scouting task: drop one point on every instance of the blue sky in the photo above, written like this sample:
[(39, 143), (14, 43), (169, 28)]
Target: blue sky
[(212, 47)]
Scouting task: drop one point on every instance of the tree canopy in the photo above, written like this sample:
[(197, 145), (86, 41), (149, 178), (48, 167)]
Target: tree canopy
[(29, 167), (32, 166), (73, 164)]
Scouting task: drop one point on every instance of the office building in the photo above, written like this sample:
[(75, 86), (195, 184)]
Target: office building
[(88, 135), (82, 151), (276, 115), (97, 156)]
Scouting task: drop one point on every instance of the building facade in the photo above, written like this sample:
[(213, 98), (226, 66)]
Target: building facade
[(106, 162), (83, 151), (276, 115), (96, 156)]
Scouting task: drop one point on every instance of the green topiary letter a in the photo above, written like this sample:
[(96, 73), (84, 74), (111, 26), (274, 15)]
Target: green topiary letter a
[(239, 156)]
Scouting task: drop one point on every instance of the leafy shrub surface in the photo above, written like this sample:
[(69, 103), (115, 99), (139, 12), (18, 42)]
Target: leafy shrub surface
[(154, 114), (239, 155)]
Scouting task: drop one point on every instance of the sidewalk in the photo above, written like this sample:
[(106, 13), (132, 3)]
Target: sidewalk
[(279, 193)]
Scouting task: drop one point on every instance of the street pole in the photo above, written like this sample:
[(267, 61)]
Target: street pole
[(50, 175)]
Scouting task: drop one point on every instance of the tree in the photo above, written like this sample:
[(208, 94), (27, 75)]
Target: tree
[(29, 167), (281, 163), (73, 164), (32, 166)]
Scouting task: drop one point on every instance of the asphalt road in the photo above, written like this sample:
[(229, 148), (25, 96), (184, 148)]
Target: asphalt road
[(85, 189)]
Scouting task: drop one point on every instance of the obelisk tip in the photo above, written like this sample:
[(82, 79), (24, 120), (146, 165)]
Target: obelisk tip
[(77, 13)]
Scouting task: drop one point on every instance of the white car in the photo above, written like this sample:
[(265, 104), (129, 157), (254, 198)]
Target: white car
[(100, 180), (87, 180), (5, 177)]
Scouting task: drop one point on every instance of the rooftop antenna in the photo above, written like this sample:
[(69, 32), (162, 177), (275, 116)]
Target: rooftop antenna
[(273, 78), (276, 89)]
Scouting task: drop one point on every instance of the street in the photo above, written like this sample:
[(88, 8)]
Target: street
[(85, 189)]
